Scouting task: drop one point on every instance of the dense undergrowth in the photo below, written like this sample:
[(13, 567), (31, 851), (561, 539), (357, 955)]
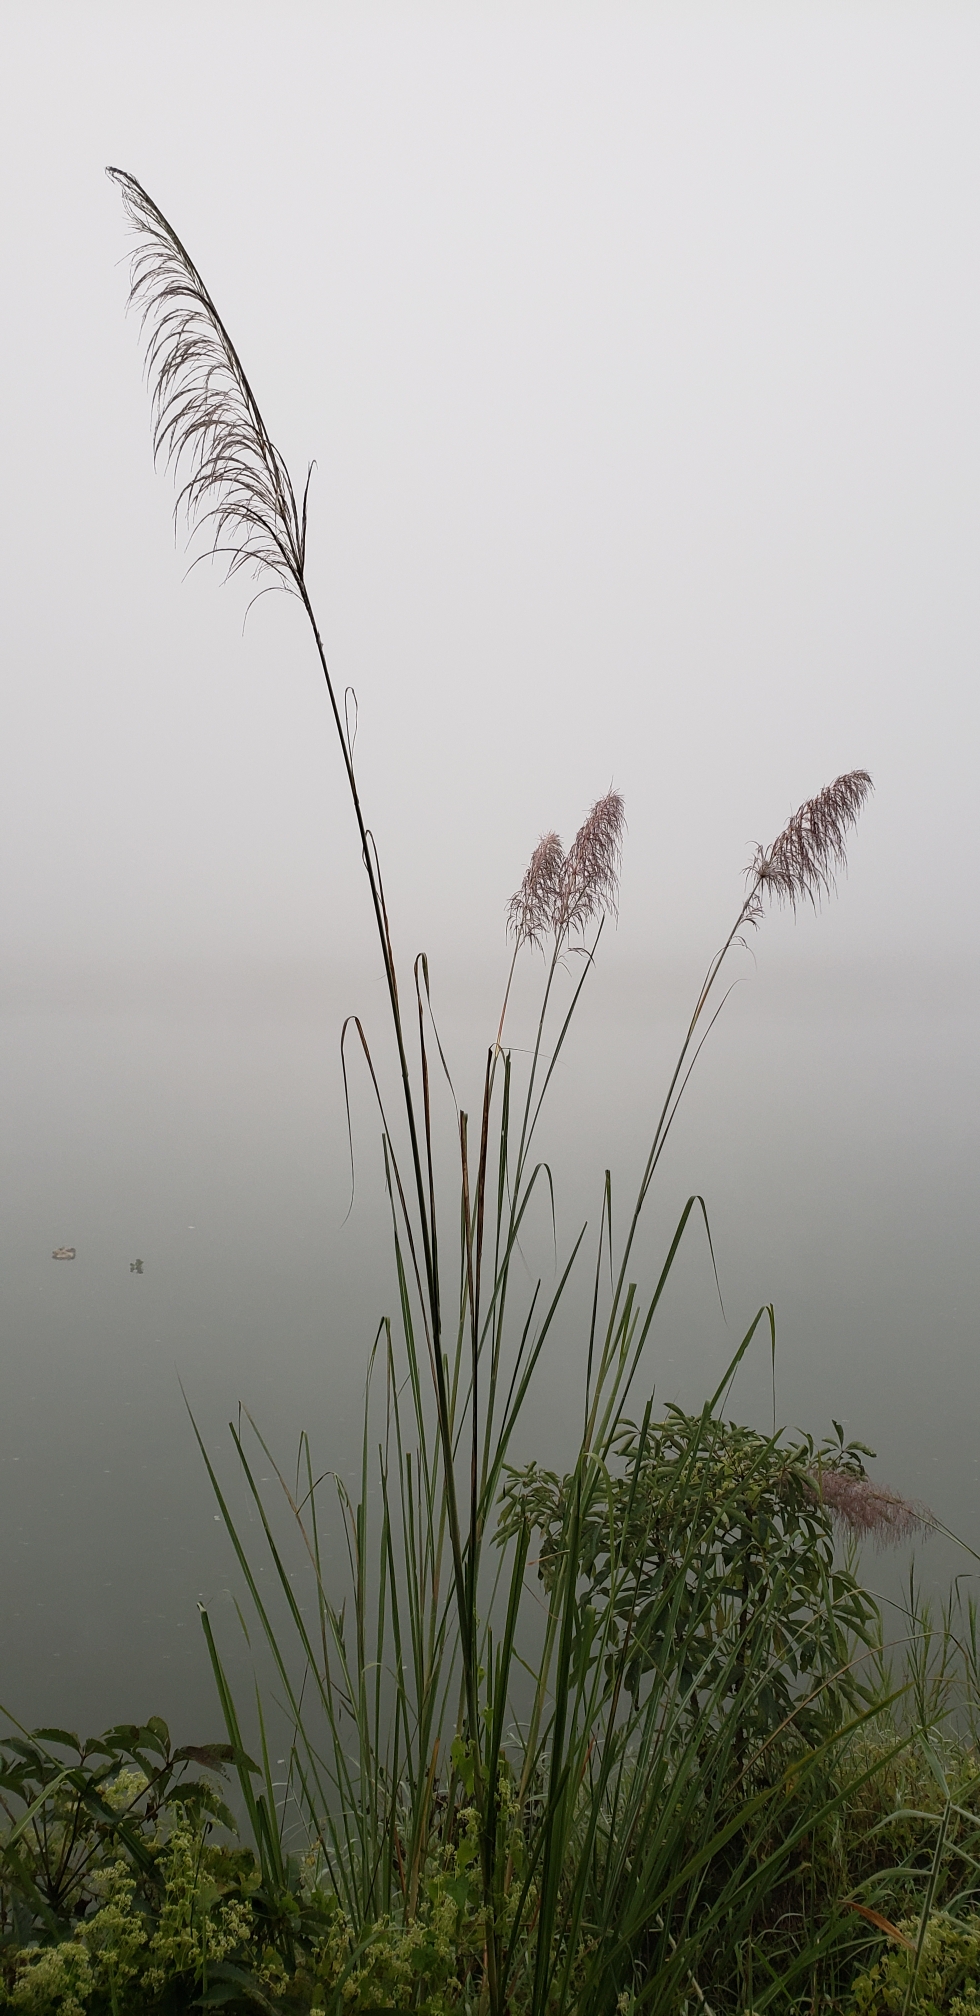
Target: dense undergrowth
[(625, 1738), (124, 1887)]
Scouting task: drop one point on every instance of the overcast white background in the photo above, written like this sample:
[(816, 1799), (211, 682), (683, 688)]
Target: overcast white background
[(637, 348)]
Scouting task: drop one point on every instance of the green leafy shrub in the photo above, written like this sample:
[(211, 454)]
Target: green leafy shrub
[(730, 1527)]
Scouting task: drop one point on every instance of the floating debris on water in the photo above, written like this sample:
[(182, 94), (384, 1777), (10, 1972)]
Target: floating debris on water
[(136, 1266), (63, 1253)]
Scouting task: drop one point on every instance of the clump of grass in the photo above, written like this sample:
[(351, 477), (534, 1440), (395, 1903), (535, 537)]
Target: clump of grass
[(611, 1777)]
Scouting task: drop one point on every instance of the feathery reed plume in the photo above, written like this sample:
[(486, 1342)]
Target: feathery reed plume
[(589, 881), (205, 415), (868, 1510), (563, 892), (531, 911), (802, 862)]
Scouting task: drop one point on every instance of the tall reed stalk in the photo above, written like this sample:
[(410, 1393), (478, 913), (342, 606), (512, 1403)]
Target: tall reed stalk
[(449, 1734)]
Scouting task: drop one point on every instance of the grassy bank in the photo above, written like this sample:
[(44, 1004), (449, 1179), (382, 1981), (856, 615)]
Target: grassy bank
[(820, 1860)]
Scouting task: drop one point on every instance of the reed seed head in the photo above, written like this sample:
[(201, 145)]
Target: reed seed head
[(563, 892), (531, 911), (805, 858), (589, 881), (867, 1510), (205, 416)]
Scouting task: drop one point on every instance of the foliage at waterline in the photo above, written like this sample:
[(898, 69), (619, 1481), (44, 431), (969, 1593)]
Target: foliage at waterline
[(117, 1894)]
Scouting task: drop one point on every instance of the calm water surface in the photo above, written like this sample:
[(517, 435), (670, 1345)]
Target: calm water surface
[(833, 1132)]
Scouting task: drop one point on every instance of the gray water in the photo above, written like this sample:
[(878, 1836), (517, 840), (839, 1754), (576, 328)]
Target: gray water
[(195, 1121)]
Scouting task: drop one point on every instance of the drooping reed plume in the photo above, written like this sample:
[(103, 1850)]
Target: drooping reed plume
[(804, 860), (867, 1510), (206, 420)]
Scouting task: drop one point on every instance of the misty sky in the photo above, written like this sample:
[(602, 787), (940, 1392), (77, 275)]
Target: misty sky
[(637, 350)]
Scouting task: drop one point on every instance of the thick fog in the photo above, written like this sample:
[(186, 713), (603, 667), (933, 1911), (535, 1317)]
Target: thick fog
[(636, 351)]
